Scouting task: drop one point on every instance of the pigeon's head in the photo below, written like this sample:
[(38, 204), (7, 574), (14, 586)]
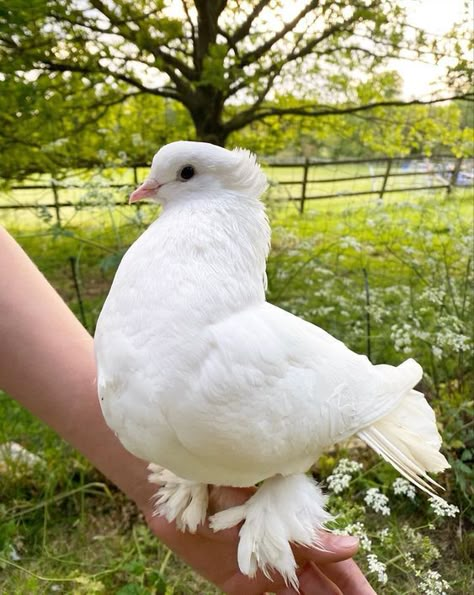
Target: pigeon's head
[(186, 170)]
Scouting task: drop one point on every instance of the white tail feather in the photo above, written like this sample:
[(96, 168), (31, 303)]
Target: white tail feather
[(408, 439)]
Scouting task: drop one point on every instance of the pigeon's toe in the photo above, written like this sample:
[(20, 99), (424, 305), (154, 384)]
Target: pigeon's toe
[(225, 519), (179, 500)]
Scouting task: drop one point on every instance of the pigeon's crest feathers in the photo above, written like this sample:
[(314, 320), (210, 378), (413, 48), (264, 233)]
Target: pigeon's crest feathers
[(235, 171), (248, 174)]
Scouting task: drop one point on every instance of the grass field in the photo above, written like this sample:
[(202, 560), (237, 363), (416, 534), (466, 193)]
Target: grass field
[(391, 278)]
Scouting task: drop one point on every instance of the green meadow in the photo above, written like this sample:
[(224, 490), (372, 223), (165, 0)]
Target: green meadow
[(392, 278)]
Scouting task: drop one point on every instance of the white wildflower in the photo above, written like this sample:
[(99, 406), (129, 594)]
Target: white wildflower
[(401, 336), (378, 568), (409, 561), (377, 501), (338, 483), (449, 339), (404, 488), (377, 312), (136, 139), (442, 508), (434, 295), (347, 466), (358, 530), (341, 476), (383, 534), (349, 241), (432, 583)]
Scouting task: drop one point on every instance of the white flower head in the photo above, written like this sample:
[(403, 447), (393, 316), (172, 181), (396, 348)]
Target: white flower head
[(347, 466), (442, 508), (338, 483), (432, 583), (377, 501), (404, 488), (378, 568), (383, 534), (358, 530), (341, 476)]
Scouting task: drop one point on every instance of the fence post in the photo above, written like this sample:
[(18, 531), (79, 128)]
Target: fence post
[(303, 185), (454, 176), (385, 178), (368, 330), (57, 206), (75, 278)]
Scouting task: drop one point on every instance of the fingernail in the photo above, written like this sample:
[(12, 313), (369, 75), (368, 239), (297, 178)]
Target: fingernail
[(347, 541)]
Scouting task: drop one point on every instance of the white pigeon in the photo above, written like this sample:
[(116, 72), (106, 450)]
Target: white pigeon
[(202, 377)]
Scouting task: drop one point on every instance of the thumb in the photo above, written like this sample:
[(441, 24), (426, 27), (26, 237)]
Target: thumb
[(330, 548)]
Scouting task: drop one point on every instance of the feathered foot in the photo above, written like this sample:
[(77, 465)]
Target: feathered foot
[(284, 510), (179, 499)]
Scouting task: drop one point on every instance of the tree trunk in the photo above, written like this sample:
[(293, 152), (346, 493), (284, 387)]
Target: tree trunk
[(213, 135), (206, 112)]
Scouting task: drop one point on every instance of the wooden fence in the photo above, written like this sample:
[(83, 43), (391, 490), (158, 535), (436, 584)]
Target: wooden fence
[(441, 173), (298, 181)]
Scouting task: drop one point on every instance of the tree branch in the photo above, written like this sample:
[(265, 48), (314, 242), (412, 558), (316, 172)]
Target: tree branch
[(258, 52), (251, 115), (168, 63), (244, 28), (86, 69), (208, 15)]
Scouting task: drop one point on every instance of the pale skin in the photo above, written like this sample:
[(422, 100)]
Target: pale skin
[(47, 364)]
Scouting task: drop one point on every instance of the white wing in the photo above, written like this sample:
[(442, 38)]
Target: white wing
[(273, 391)]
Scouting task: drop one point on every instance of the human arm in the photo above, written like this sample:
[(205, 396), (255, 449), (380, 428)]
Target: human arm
[(47, 364)]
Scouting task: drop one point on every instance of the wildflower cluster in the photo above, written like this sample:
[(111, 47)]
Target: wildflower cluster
[(377, 501), (404, 488), (342, 474), (358, 530), (379, 568), (432, 583), (441, 508)]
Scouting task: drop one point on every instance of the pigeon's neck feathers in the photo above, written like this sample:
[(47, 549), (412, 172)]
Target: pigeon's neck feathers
[(218, 247)]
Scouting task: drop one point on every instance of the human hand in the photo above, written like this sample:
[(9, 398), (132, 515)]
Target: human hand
[(328, 571)]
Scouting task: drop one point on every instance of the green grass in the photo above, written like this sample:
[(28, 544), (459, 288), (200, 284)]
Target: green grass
[(73, 532)]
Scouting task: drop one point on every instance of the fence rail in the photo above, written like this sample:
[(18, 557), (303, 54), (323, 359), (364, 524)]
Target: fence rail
[(306, 182)]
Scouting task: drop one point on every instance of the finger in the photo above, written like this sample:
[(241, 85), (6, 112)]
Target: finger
[(223, 499), (348, 577), (311, 581), (330, 548)]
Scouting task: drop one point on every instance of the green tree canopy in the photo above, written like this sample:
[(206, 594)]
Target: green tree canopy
[(227, 64)]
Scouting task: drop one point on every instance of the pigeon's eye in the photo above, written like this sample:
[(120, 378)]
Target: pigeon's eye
[(187, 172)]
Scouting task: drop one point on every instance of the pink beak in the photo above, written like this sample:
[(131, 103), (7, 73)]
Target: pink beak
[(146, 190)]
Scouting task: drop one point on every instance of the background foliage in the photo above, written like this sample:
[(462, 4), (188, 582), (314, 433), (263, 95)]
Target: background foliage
[(88, 81)]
